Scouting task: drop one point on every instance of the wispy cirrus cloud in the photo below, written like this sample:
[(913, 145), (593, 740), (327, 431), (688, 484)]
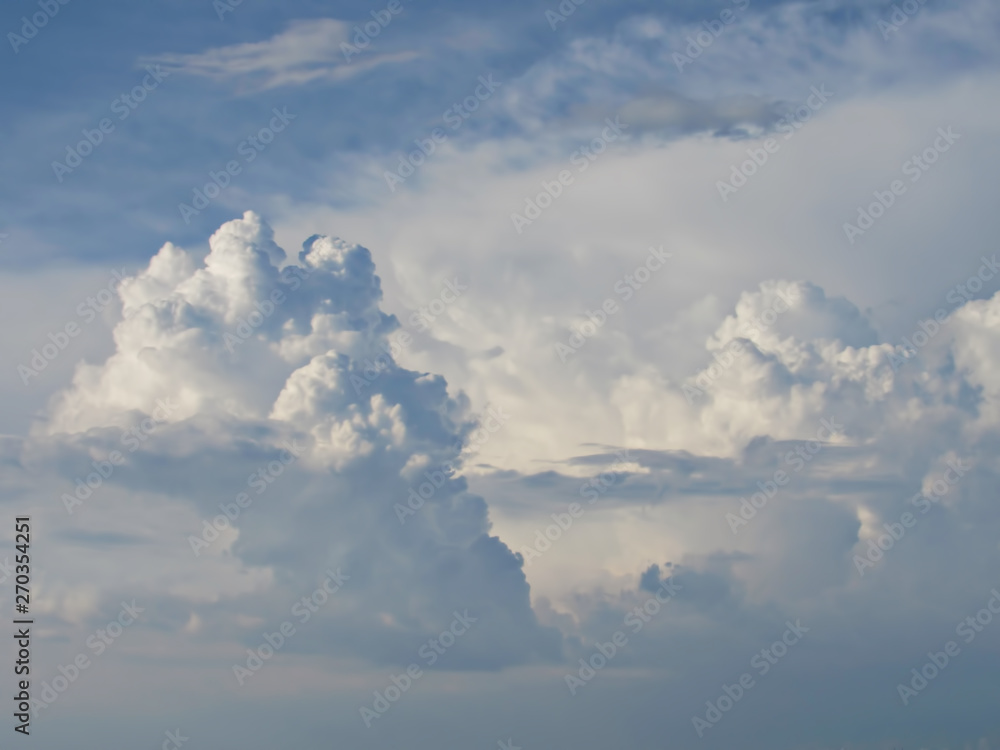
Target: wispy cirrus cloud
[(308, 50)]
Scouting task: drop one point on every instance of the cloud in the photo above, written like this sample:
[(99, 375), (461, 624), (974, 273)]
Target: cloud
[(308, 50), (256, 361), (818, 324), (672, 112)]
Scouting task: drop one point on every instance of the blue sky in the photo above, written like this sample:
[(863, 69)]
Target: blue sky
[(520, 339)]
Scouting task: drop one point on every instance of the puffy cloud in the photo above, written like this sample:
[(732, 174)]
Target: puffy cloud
[(244, 376), (977, 351)]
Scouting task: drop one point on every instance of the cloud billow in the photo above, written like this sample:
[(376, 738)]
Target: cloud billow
[(257, 355)]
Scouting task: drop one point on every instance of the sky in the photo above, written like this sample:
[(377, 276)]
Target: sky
[(525, 375)]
